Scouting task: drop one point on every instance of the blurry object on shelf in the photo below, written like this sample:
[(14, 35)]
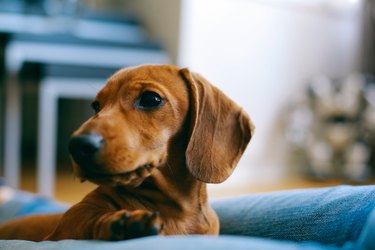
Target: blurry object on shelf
[(59, 7), (62, 7), (40, 7), (70, 17), (331, 128)]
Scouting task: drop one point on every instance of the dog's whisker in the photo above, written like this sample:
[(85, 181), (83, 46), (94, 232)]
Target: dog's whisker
[(126, 178), (170, 169)]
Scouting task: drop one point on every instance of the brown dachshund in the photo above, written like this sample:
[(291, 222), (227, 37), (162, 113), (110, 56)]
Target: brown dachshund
[(159, 134)]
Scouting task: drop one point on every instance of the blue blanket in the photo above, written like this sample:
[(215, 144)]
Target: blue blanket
[(325, 218)]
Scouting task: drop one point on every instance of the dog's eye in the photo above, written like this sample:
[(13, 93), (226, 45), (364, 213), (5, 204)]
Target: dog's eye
[(95, 106), (149, 100)]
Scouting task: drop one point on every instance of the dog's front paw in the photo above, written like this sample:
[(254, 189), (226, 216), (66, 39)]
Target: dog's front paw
[(128, 225)]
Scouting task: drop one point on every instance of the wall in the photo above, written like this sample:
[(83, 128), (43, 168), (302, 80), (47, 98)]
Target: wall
[(261, 53), (161, 19)]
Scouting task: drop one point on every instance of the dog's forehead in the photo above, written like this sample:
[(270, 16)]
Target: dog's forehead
[(159, 73), (164, 75)]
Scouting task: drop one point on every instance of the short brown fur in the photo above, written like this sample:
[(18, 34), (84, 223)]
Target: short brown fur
[(196, 137)]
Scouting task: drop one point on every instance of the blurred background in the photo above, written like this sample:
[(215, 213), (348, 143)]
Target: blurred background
[(302, 69)]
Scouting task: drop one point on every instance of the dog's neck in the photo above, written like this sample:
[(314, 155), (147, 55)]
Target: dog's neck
[(173, 181)]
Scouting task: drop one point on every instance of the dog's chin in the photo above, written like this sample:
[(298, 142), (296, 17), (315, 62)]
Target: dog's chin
[(130, 178)]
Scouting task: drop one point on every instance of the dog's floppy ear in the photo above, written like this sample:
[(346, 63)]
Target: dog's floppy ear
[(219, 132)]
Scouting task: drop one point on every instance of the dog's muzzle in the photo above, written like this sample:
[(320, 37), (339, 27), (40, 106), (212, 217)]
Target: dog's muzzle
[(86, 150), (85, 147)]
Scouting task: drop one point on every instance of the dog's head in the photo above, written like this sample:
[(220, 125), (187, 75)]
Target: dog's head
[(142, 110)]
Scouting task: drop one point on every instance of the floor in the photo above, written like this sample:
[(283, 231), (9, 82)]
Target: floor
[(70, 190)]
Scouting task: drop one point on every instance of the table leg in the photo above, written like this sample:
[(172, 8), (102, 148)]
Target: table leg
[(47, 137), (12, 132)]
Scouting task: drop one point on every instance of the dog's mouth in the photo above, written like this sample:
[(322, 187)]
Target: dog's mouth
[(130, 178)]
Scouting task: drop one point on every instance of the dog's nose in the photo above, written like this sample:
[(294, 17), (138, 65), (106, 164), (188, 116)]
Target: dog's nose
[(84, 147)]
